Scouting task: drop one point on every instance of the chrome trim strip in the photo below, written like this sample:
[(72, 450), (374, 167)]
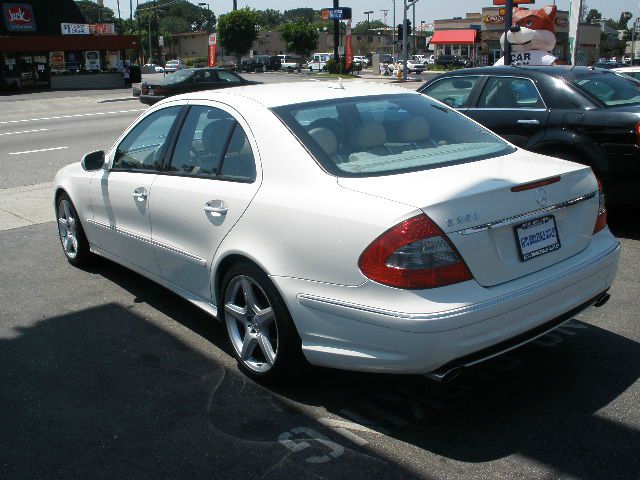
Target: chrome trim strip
[(199, 260), (307, 298), (523, 216)]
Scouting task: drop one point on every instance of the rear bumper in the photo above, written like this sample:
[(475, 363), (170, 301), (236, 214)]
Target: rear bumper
[(376, 328), (151, 99)]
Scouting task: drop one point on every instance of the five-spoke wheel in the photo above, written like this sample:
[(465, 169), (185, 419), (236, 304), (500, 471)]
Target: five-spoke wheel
[(74, 243)]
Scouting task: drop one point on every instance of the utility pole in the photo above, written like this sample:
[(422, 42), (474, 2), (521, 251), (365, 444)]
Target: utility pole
[(393, 31), (368, 22), (235, 4), (405, 43), (508, 20), (336, 34), (415, 46), (384, 15)]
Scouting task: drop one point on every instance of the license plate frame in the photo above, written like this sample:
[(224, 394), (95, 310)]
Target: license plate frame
[(537, 225)]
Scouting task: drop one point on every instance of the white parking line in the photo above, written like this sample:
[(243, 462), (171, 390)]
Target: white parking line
[(26, 131), (40, 150), (4, 122)]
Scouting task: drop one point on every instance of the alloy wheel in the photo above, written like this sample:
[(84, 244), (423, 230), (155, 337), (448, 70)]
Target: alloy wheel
[(68, 229), (251, 323)]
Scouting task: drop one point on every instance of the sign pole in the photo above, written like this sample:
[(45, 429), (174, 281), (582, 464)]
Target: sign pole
[(508, 20), (405, 44), (336, 35)]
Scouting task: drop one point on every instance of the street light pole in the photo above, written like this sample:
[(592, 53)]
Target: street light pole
[(368, 22), (405, 43), (393, 31), (508, 20)]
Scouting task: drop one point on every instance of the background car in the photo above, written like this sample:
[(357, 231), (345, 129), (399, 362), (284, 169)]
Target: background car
[(190, 80), (366, 228), (261, 63), (174, 65), (152, 68), (583, 114), (452, 60)]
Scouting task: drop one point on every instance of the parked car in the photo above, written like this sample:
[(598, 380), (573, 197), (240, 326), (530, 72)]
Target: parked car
[(290, 63), (414, 66), (261, 63), (152, 68), (362, 60), (587, 115), (633, 72), (318, 62), (189, 80), (173, 66), (452, 60), (429, 60), (366, 227)]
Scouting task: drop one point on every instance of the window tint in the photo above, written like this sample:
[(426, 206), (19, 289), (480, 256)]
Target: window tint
[(388, 134), (452, 91), (503, 92), (612, 90), (238, 161), (202, 140), (145, 145), (227, 77), (205, 76)]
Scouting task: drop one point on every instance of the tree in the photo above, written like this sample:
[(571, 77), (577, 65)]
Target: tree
[(593, 15), (270, 18), (237, 30), (300, 37), (307, 14), (96, 13), (624, 20), (364, 26)]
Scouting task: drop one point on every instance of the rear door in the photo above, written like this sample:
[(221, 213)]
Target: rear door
[(199, 196), (513, 108), (454, 91)]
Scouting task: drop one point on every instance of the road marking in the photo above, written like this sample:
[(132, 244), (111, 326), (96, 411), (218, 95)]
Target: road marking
[(40, 150), (26, 131), (76, 115)]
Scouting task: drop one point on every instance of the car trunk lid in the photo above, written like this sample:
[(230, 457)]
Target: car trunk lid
[(473, 203)]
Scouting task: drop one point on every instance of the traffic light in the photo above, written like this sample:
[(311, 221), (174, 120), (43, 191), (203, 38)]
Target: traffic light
[(408, 28), (400, 32)]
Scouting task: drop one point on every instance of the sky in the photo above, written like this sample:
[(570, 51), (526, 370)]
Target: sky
[(427, 10)]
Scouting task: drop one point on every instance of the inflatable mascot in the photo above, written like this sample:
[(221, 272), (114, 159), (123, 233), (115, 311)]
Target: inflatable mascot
[(532, 37)]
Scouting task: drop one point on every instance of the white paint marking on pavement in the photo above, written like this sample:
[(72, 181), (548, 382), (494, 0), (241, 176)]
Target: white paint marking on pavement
[(40, 150), (26, 131), (75, 115)]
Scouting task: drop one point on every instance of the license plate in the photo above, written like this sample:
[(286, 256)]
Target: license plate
[(151, 91), (537, 237)]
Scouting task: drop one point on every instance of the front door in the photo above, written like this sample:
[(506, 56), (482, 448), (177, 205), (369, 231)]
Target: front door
[(512, 108), (201, 194), (121, 193)]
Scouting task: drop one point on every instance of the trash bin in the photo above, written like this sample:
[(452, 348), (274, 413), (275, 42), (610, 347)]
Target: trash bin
[(135, 74)]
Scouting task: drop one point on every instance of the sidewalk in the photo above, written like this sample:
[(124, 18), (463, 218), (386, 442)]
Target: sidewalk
[(27, 205)]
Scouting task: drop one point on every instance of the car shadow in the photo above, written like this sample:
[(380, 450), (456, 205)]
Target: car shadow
[(542, 401)]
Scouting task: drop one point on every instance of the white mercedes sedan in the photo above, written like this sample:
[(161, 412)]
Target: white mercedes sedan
[(356, 226)]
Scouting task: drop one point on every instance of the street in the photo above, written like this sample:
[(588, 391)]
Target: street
[(108, 375)]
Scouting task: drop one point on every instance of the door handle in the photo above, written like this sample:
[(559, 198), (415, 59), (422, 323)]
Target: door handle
[(140, 194), (216, 207), (528, 122)]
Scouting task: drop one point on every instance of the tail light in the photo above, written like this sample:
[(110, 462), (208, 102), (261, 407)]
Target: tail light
[(414, 254), (638, 134), (144, 88), (601, 220)]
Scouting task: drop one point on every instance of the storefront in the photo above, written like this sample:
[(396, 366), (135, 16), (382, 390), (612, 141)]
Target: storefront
[(461, 43), (48, 44)]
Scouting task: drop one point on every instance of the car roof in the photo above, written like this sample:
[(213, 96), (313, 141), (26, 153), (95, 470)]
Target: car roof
[(558, 71), (280, 94)]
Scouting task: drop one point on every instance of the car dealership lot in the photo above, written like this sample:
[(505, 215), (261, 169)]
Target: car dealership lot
[(107, 374)]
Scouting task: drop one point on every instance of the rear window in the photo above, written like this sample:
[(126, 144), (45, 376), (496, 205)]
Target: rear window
[(610, 89), (380, 135)]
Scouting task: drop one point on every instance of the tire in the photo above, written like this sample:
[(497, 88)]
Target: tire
[(263, 337), (72, 238)]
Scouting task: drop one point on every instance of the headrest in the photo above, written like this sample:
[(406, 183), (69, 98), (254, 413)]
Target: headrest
[(325, 138), (215, 134), (415, 129), (239, 143), (368, 135)]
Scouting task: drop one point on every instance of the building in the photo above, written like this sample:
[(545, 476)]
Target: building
[(45, 43)]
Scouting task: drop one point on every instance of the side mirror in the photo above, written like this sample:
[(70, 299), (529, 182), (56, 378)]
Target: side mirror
[(93, 161)]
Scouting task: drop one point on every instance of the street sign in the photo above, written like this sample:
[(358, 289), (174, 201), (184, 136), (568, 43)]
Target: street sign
[(343, 13), (161, 41)]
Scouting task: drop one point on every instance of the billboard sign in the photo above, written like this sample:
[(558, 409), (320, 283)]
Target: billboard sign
[(18, 17), (75, 28), (102, 29), (343, 13)]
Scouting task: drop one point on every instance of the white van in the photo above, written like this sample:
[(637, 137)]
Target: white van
[(318, 62)]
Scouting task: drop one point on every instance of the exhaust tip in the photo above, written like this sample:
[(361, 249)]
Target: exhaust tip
[(602, 299), (442, 376)]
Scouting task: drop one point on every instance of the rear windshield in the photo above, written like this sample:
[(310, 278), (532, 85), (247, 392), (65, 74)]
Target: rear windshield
[(176, 77), (610, 89), (380, 135)]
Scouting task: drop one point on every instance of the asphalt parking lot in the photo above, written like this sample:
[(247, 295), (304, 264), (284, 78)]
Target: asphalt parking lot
[(107, 375)]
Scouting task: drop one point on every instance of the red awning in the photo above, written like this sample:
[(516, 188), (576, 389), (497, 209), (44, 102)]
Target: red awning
[(464, 37)]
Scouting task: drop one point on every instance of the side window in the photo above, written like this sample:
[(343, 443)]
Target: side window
[(204, 76), (144, 146), (503, 92), (454, 91), (224, 76), (238, 162), (202, 141)]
